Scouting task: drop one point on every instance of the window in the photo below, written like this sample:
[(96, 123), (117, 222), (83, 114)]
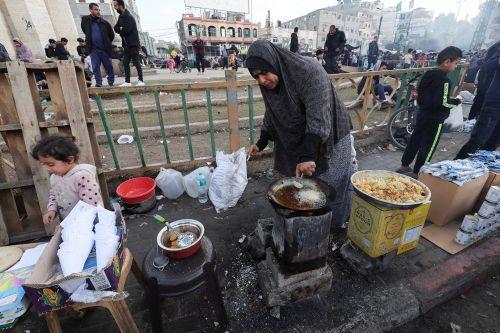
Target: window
[(222, 32), (275, 39), (192, 29), (315, 28), (240, 32), (230, 32), (203, 30), (254, 33), (212, 31), (246, 33)]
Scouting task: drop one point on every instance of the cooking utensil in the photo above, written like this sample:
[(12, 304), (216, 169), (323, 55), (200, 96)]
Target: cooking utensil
[(313, 195), (160, 261), (136, 190), (382, 174), (184, 239), (188, 225)]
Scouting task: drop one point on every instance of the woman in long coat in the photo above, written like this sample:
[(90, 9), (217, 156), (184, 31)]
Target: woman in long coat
[(306, 120)]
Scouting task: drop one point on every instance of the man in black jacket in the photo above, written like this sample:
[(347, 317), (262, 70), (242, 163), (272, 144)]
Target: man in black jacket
[(334, 46), (50, 49), (373, 52), (127, 28), (61, 51), (294, 41), (98, 37), (434, 104)]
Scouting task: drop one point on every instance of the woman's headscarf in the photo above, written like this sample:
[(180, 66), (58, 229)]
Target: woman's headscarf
[(23, 53), (304, 98)]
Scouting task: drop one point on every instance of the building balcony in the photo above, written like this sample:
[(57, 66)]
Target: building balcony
[(226, 40)]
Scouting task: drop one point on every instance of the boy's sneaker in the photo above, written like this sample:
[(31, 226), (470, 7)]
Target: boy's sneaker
[(126, 84), (140, 83), (404, 170)]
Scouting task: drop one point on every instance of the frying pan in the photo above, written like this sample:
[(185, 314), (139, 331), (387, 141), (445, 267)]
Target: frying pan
[(286, 193)]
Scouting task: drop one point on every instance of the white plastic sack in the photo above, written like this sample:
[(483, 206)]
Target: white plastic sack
[(170, 183), (191, 184), (229, 179), (455, 121)]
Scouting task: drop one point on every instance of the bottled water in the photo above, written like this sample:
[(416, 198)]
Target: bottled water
[(202, 188)]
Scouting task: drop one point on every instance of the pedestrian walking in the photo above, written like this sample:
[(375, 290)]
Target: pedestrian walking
[(434, 107), (23, 53), (62, 52), (408, 59), (306, 120), (373, 52), (4, 55), (126, 27), (334, 45), (171, 64), (199, 53), (294, 41), (98, 37), (486, 132)]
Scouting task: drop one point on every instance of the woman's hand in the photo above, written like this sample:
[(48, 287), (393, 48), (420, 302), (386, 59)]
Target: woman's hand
[(252, 150), (49, 217), (306, 168)]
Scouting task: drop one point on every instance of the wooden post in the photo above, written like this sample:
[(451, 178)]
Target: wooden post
[(232, 111), (364, 111), (31, 133)]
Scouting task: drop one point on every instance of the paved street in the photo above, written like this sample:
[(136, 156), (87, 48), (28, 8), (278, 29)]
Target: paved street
[(242, 296)]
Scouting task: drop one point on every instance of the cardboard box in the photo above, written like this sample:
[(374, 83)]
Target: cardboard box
[(49, 290), (377, 230), (450, 201), (493, 180)]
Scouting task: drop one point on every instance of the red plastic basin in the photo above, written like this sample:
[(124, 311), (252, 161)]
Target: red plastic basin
[(136, 190)]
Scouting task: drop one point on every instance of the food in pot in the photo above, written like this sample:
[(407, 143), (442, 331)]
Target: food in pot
[(394, 189), (173, 237), (298, 185), (310, 196)]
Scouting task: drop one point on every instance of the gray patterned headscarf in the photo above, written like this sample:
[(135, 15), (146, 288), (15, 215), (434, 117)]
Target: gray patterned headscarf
[(303, 102)]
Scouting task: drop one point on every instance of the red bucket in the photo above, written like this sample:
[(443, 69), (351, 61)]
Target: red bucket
[(136, 190)]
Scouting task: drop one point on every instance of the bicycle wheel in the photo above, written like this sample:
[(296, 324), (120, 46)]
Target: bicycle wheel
[(400, 126)]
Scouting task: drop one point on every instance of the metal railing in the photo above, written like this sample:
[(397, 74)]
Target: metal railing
[(231, 85)]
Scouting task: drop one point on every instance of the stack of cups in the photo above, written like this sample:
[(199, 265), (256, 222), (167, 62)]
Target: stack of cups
[(106, 238), (485, 222)]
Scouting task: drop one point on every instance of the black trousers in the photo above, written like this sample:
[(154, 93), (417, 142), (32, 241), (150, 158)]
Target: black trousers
[(485, 135), (423, 143), (200, 62), (132, 53)]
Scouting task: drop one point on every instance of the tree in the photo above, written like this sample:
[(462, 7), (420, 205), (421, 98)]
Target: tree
[(172, 46)]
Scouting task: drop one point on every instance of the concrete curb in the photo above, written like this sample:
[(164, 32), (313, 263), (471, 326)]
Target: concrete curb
[(394, 306)]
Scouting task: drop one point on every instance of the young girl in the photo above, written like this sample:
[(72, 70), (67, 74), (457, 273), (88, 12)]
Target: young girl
[(69, 181), (171, 64)]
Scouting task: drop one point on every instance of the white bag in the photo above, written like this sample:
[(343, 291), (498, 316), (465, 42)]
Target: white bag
[(455, 121), (229, 179), (170, 183), (191, 184)]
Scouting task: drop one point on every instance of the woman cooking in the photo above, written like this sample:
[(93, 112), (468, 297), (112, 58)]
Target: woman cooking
[(306, 120)]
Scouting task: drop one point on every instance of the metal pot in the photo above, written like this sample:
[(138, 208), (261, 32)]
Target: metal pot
[(286, 193), (184, 225)]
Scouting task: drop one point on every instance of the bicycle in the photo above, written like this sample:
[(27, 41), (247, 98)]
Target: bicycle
[(402, 122), (182, 67)]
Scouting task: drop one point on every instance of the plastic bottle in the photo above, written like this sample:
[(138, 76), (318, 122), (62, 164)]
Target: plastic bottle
[(202, 188)]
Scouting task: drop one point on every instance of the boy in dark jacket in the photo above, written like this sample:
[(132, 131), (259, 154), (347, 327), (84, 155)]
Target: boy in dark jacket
[(434, 107), (61, 51)]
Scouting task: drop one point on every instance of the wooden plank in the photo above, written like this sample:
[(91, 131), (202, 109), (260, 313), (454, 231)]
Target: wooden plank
[(35, 97), (4, 185), (58, 102), (232, 111), (364, 111), (17, 149), (9, 217), (82, 85), (31, 132), (74, 109), (10, 127)]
